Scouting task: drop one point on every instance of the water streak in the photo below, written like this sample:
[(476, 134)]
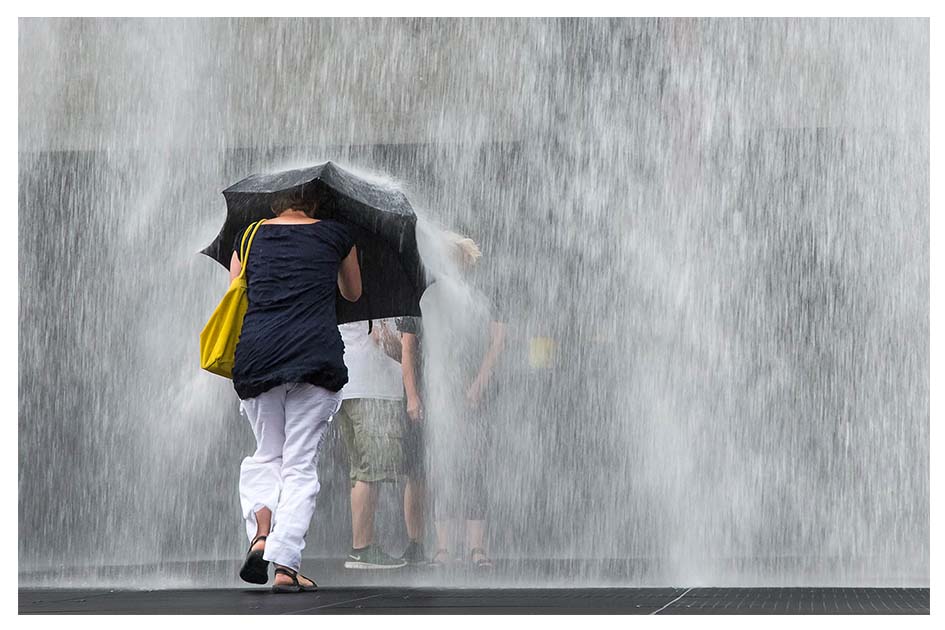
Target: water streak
[(710, 237)]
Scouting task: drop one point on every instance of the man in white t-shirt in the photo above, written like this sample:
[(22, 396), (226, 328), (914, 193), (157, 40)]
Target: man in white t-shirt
[(371, 421)]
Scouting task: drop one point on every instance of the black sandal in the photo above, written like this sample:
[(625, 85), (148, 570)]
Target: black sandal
[(255, 569), (484, 563), (295, 587)]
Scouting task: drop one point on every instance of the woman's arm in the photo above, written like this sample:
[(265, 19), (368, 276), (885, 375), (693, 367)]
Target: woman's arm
[(496, 343), (349, 276), (235, 266)]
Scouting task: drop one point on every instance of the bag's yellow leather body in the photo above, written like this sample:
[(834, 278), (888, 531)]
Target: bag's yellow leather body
[(221, 334)]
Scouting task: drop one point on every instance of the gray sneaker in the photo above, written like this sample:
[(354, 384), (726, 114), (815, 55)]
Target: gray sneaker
[(372, 557)]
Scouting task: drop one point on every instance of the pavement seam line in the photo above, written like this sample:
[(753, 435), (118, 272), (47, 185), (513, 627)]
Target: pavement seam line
[(347, 601), (655, 612)]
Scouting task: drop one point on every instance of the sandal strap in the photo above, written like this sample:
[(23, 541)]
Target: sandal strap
[(256, 540), (288, 572), (476, 550)]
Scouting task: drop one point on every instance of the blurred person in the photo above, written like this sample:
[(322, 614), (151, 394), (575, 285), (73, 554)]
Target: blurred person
[(475, 336)]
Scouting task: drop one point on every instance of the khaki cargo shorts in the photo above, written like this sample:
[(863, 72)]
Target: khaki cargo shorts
[(372, 431)]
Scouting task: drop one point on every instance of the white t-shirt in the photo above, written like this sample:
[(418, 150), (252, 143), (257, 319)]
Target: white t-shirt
[(371, 372)]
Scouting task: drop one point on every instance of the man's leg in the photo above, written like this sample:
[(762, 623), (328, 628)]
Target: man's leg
[(363, 500), (415, 491), (374, 449), (414, 514), (363, 506)]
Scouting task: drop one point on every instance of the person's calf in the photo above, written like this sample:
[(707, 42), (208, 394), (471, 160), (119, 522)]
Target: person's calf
[(414, 512), (363, 504)]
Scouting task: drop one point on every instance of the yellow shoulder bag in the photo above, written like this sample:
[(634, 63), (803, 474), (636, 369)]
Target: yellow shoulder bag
[(221, 334)]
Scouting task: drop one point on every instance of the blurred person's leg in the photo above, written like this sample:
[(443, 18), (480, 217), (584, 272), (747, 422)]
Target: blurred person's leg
[(415, 490), (414, 512), (476, 538), (445, 539), (447, 514), (475, 499), (475, 510), (446, 468)]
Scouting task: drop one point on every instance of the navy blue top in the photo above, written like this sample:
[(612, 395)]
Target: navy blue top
[(290, 331)]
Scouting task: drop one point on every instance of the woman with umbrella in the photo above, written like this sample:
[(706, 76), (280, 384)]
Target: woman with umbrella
[(288, 371), (290, 350)]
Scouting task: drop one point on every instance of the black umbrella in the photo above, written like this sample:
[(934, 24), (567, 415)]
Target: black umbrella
[(380, 218)]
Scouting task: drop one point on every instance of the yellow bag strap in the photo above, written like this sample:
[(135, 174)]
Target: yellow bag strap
[(246, 243)]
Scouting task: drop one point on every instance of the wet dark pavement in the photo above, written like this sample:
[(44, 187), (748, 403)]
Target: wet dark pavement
[(393, 600)]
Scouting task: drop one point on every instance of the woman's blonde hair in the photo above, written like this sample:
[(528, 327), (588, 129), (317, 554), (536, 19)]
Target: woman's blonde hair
[(464, 248)]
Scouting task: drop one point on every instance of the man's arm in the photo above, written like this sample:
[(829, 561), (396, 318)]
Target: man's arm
[(388, 340), (409, 364)]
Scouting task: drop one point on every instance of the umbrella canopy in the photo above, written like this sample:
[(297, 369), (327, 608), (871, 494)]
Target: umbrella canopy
[(380, 218)]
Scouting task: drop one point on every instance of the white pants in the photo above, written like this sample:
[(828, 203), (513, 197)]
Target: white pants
[(282, 475)]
